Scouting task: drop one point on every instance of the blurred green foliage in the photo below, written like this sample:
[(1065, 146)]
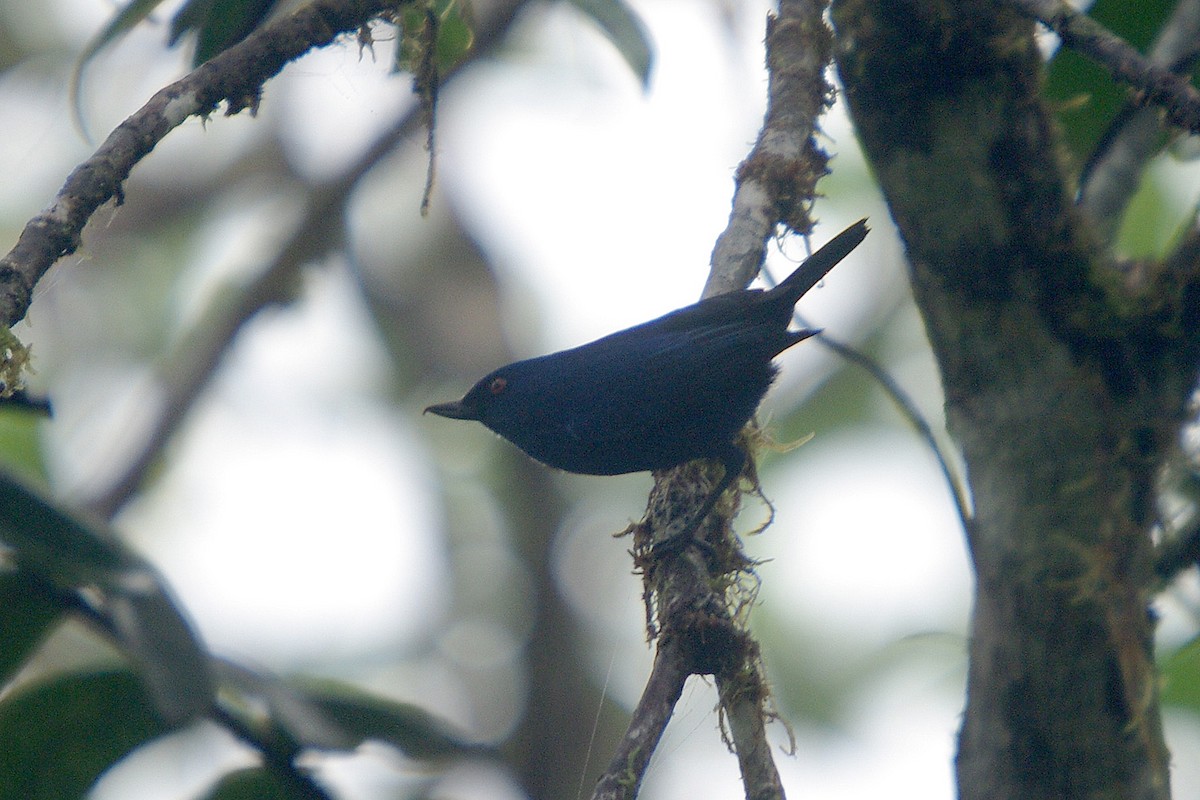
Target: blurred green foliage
[(1087, 99), (61, 733)]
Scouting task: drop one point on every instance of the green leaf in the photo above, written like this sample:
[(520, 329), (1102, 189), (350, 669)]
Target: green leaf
[(624, 28), (21, 442), (190, 16), (456, 35), (1181, 677), (65, 553), (60, 735), (28, 610), (252, 783), (1151, 220), (219, 24), (53, 544), (173, 664), (255, 783), (329, 715), (121, 23), (454, 39), (414, 731)]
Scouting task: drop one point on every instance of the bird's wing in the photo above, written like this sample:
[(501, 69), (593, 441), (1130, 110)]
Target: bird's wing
[(714, 319), (712, 311), (738, 340)]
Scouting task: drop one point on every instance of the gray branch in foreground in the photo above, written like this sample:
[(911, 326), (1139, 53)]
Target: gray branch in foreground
[(777, 181), (698, 633), (235, 78)]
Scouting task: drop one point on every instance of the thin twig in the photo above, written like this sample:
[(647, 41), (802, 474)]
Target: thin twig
[(745, 711), (1158, 84), (908, 409), (700, 629), (278, 757)]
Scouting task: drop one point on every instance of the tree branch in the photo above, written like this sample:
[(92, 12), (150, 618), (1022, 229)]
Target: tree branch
[(235, 77), (699, 595), (777, 181), (1114, 173), (185, 371), (1159, 84), (625, 772)]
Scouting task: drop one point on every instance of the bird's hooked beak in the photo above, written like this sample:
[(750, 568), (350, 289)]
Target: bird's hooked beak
[(454, 410)]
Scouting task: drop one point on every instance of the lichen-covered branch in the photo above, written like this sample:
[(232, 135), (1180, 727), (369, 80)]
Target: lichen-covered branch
[(777, 182), (696, 596), (235, 77)]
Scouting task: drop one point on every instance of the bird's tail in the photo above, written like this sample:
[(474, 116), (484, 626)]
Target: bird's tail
[(819, 263)]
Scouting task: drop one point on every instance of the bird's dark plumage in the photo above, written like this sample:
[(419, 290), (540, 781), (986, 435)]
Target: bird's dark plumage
[(656, 395)]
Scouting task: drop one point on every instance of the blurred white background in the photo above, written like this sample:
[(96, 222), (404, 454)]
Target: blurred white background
[(301, 513)]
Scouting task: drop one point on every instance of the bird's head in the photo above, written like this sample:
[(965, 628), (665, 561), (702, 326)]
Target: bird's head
[(480, 403)]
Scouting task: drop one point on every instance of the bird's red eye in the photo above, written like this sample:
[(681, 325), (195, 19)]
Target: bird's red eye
[(497, 386)]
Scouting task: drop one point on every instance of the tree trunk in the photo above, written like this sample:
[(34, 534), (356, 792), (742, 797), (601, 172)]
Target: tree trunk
[(1063, 389)]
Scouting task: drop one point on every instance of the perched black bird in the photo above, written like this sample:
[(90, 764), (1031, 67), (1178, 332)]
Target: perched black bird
[(659, 394)]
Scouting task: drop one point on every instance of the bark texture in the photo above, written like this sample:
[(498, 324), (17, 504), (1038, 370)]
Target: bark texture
[(1065, 379)]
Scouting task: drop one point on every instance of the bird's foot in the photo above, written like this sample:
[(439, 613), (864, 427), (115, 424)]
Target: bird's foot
[(675, 542)]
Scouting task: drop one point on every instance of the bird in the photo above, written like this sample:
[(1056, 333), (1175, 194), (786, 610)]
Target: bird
[(660, 394)]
